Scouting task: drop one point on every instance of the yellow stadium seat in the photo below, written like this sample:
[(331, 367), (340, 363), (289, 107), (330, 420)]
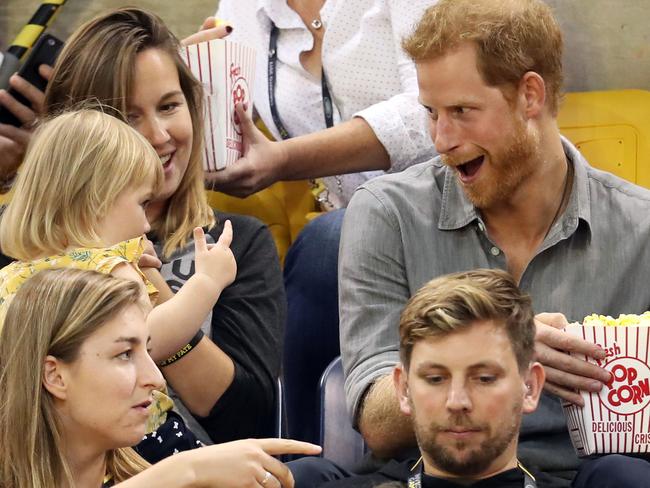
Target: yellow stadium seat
[(612, 130), (283, 207)]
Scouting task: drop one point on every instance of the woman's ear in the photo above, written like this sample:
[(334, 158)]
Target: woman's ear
[(402, 388), (53, 378)]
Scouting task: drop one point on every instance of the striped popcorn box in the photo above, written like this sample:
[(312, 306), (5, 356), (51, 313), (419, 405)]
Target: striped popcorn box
[(616, 419), (227, 72)]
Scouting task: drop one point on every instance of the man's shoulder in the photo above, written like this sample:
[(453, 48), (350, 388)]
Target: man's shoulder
[(417, 174), (410, 186), (617, 204), (606, 195), (616, 187)]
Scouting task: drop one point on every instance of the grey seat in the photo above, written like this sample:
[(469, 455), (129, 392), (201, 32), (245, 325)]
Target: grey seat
[(341, 443)]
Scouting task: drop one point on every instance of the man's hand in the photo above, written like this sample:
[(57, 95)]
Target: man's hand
[(14, 140), (258, 168), (13, 143), (36, 97), (210, 29), (565, 375)]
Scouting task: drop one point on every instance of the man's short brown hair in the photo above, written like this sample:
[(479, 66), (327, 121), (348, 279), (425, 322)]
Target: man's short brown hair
[(457, 301), (512, 37)]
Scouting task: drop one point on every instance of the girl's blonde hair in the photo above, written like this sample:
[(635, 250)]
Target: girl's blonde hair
[(76, 166), (52, 314), (98, 62)]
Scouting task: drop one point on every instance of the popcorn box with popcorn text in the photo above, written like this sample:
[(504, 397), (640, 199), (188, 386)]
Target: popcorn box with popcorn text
[(226, 70), (616, 419)]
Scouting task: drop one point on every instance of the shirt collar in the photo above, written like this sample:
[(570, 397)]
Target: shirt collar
[(457, 211), (508, 477)]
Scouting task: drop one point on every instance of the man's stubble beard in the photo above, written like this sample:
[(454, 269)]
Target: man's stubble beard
[(509, 169), (474, 461)]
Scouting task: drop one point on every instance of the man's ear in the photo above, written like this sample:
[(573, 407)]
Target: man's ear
[(400, 381), (534, 383), (532, 94), (53, 377)]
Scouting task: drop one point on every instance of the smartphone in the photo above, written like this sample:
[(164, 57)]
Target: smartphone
[(45, 51)]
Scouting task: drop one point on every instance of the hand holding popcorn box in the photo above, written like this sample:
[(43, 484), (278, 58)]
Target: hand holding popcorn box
[(227, 72), (616, 419)]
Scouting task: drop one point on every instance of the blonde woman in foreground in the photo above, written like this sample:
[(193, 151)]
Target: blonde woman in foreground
[(75, 388)]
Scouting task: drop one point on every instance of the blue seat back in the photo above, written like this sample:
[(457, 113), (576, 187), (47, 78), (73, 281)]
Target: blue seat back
[(341, 443)]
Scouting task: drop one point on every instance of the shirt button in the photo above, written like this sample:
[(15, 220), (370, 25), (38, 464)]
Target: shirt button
[(481, 227), (495, 251)]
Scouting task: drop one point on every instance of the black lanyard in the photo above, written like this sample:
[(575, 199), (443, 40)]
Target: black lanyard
[(328, 108), (415, 480)]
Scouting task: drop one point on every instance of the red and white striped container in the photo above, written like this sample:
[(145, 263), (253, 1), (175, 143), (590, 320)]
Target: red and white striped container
[(616, 419), (227, 71)]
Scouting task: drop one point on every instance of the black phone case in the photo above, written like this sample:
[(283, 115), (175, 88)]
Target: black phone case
[(45, 51)]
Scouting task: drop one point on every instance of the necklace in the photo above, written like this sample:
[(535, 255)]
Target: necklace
[(306, 9), (568, 183), (415, 479)]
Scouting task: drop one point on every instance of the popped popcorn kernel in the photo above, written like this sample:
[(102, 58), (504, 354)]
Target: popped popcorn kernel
[(623, 320)]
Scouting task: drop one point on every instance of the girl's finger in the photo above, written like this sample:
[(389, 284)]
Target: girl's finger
[(200, 244), (225, 239)]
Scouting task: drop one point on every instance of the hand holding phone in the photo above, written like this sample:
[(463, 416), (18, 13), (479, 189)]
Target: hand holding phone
[(45, 51)]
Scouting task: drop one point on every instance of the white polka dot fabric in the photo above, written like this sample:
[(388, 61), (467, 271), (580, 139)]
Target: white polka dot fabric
[(368, 74)]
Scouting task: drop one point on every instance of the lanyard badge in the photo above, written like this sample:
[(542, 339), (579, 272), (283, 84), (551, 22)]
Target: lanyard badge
[(320, 191)]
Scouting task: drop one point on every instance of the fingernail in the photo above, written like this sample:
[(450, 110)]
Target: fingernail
[(595, 385), (229, 29), (600, 354)]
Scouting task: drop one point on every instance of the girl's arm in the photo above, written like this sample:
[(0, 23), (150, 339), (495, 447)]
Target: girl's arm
[(198, 395), (247, 327), (202, 377), (177, 320), (164, 291)]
